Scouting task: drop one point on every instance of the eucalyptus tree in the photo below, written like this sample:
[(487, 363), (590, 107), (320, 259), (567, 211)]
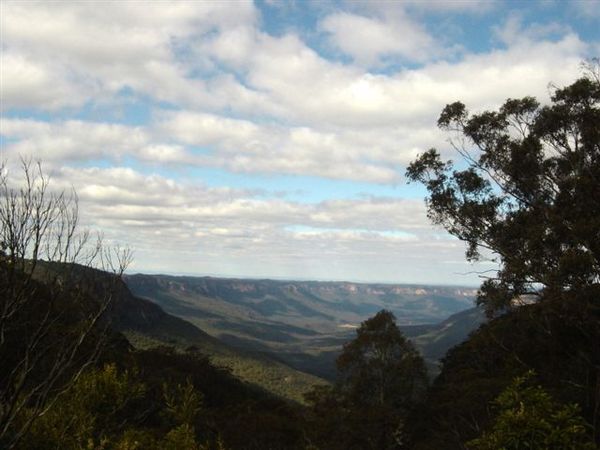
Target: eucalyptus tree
[(527, 191)]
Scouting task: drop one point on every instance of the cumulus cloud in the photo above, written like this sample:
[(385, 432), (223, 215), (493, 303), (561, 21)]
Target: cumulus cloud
[(72, 140), (330, 121), (367, 40), (107, 47), (243, 146), (28, 83)]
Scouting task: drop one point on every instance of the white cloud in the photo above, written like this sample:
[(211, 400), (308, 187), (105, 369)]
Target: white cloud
[(469, 6), (72, 140), (515, 32), (293, 83), (327, 120), (243, 146), (108, 47), (27, 83), (589, 9), (123, 194), (368, 40), (277, 77)]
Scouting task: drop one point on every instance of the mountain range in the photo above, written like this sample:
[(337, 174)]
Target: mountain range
[(304, 324), (282, 337)]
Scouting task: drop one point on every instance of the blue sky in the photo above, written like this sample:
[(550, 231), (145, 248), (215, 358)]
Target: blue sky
[(270, 138)]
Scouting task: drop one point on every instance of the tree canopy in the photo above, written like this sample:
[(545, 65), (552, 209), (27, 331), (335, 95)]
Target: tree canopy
[(381, 380), (530, 191), (528, 417), (380, 366)]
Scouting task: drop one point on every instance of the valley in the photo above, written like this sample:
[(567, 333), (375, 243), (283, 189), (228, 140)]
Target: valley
[(304, 324)]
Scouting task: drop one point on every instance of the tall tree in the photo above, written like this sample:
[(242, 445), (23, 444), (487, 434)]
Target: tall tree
[(530, 192), (527, 192), (381, 379), (380, 366)]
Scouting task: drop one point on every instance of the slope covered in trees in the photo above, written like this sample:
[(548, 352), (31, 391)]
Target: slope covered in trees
[(147, 325)]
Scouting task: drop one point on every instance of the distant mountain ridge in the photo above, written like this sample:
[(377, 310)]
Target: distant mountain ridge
[(319, 300)]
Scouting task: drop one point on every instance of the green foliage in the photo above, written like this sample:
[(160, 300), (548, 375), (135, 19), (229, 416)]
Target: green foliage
[(232, 414), (181, 437), (380, 367), (90, 414), (562, 347), (111, 410), (530, 194), (528, 418), (257, 369), (182, 403)]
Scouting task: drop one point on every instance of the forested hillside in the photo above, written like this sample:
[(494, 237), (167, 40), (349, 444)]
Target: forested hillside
[(146, 325)]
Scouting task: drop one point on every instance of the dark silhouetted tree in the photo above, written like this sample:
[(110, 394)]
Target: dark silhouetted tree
[(527, 194), (380, 366), (381, 379), (530, 192)]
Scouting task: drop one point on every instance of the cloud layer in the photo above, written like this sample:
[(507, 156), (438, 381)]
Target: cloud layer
[(166, 116)]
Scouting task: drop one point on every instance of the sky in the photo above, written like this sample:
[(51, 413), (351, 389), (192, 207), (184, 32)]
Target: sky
[(270, 138)]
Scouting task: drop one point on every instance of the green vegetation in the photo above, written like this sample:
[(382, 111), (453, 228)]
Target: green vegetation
[(380, 366), (146, 325), (256, 369), (166, 400), (563, 353), (529, 418)]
